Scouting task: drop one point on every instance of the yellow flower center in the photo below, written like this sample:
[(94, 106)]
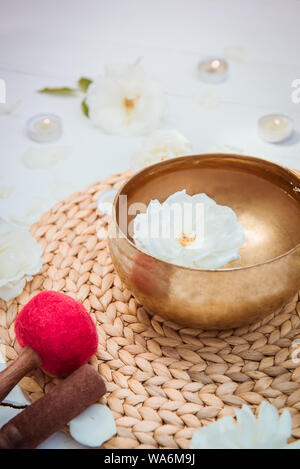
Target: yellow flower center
[(129, 103), (187, 240)]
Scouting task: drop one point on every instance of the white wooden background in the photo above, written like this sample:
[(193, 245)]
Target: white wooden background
[(53, 43)]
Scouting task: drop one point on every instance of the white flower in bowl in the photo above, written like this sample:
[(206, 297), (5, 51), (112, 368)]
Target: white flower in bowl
[(161, 145), (20, 259), (125, 101), (268, 431), (191, 231)]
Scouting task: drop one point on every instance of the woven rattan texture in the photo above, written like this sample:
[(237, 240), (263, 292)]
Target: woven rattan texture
[(163, 380)]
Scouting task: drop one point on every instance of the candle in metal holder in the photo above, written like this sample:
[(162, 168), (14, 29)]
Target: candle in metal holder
[(44, 127), (275, 128)]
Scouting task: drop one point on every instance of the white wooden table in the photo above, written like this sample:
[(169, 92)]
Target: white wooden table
[(55, 43)]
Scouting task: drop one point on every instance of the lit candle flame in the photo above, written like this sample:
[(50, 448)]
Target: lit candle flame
[(215, 64)]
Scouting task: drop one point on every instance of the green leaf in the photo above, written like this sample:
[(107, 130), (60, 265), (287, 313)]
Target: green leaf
[(64, 91), (84, 83), (84, 108)]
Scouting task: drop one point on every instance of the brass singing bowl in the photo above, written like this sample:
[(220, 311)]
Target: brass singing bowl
[(266, 199)]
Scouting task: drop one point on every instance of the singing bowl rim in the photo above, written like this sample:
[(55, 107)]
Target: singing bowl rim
[(234, 156)]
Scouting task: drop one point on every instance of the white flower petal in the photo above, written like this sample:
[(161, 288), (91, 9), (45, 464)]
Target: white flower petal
[(284, 428), (213, 436), (207, 99), (9, 109), (268, 413), (13, 289), (44, 157), (94, 426), (235, 53), (245, 425)]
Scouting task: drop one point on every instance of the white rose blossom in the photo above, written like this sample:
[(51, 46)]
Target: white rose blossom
[(191, 231), (268, 431), (20, 259), (161, 145), (125, 101)]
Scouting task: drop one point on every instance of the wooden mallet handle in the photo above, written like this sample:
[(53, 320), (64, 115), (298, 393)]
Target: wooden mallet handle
[(28, 360), (54, 410)]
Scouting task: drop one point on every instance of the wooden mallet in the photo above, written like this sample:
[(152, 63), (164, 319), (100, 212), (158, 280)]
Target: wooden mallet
[(54, 410), (56, 333)]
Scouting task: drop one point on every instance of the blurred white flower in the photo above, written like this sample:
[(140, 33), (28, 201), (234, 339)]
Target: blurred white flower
[(125, 101), (161, 145), (268, 431), (20, 259), (191, 231)]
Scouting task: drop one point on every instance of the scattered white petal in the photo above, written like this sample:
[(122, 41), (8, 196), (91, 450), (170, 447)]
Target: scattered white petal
[(94, 426), (236, 54), (161, 145), (125, 101), (5, 191), (8, 109), (191, 231), (44, 157), (223, 148), (207, 99), (20, 259), (268, 431), (60, 190)]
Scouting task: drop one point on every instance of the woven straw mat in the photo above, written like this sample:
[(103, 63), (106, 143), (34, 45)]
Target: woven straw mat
[(163, 380)]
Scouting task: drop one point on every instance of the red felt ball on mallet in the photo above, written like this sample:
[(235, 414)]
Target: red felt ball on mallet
[(56, 333), (59, 329)]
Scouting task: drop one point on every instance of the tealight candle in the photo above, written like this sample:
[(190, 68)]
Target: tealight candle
[(213, 70), (44, 127), (275, 128), (106, 200)]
